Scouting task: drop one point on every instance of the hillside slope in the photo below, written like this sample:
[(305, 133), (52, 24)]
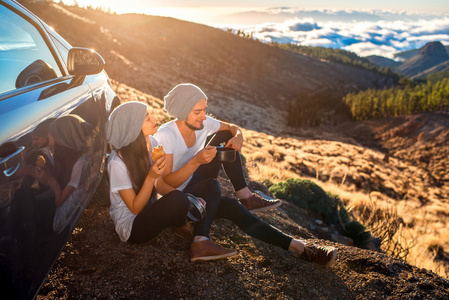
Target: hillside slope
[(95, 264), (153, 54)]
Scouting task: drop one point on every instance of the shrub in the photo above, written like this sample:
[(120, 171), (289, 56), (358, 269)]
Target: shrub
[(308, 195)]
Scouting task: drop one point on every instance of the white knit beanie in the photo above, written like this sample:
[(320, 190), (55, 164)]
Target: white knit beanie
[(181, 99), (125, 123)]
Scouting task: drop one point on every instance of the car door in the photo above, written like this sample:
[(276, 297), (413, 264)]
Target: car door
[(35, 90)]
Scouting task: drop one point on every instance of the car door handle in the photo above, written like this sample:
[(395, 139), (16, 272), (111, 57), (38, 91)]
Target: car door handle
[(12, 162)]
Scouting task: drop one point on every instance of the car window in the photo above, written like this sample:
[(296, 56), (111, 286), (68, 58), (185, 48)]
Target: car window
[(61, 44), (24, 56)]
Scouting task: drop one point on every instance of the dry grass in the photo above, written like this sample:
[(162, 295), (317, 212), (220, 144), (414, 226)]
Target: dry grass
[(358, 175), (408, 229)]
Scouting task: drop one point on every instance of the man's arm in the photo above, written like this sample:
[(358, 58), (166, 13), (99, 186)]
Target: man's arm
[(237, 141), (176, 178)]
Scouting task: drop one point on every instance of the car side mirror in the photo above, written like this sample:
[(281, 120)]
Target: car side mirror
[(82, 61)]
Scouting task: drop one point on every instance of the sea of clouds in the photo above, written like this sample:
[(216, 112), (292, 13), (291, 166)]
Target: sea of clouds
[(366, 33)]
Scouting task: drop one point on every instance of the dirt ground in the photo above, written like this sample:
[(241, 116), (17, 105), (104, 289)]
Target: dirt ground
[(95, 264)]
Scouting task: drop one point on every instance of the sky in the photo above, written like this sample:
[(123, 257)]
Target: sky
[(379, 27)]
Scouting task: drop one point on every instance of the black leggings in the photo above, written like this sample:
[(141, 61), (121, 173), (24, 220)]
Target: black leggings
[(229, 208), (234, 171), (170, 210)]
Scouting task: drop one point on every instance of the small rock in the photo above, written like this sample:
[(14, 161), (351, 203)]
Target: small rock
[(344, 240)]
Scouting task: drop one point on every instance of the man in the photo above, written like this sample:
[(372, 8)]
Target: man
[(184, 139), (189, 168)]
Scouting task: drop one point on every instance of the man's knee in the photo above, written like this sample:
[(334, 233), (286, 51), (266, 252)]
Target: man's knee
[(213, 183), (220, 137)]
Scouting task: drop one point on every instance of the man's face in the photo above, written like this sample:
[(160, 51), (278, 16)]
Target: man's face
[(197, 116)]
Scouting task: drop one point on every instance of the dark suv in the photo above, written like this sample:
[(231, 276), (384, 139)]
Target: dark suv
[(54, 102)]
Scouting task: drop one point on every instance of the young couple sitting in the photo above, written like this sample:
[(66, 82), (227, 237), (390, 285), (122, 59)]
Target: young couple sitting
[(187, 167)]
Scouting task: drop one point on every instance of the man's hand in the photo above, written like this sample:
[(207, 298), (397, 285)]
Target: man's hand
[(236, 142), (206, 155)]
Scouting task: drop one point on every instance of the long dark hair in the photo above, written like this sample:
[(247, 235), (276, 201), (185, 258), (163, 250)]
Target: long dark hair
[(137, 161), (65, 158)]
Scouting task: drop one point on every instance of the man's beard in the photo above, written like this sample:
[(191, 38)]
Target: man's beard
[(193, 127)]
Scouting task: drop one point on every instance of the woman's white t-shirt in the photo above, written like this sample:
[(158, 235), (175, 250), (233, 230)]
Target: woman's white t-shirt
[(171, 139), (119, 179)]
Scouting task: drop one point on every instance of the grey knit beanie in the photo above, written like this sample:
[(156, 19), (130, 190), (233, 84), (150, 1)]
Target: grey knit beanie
[(71, 131), (181, 99), (125, 123)]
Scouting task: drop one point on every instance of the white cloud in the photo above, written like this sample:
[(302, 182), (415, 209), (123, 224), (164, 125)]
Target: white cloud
[(365, 33)]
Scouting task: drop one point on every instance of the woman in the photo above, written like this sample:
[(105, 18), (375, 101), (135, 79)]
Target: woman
[(72, 137), (137, 214)]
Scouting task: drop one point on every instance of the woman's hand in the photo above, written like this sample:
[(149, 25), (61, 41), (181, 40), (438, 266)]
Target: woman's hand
[(42, 175), (157, 168), (206, 155)]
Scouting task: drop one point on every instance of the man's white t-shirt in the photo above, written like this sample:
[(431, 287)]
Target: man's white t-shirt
[(171, 139), (119, 179)]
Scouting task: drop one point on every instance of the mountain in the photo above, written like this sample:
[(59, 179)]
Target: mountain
[(404, 55), (383, 61), (388, 164), (443, 67), (153, 54), (429, 56), (95, 264)]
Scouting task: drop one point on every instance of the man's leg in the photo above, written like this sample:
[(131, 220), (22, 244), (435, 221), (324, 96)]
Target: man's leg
[(232, 210), (203, 248), (234, 171)]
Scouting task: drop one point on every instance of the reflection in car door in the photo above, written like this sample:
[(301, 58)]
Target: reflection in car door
[(30, 238), (51, 141)]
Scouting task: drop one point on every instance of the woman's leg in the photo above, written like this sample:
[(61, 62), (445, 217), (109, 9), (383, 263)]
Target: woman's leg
[(170, 210), (231, 209), (210, 190)]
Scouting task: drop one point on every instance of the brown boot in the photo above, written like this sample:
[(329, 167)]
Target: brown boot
[(185, 232), (208, 250), (322, 255), (256, 203)]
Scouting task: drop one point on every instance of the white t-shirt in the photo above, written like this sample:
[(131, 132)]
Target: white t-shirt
[(173, 142), (119, 179), (73, 204)]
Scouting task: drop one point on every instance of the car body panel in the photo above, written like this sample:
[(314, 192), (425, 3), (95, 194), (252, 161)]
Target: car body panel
[(33, 227)]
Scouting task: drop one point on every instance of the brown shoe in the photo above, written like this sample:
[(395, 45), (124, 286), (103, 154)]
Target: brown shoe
[(256, 203), (322, 255), (185, 232), (208, 250)]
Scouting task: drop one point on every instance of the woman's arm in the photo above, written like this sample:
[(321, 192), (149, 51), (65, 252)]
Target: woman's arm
[(137, 202), (46, 178)]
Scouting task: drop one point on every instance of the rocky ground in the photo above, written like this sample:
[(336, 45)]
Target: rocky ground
[(95, 264)]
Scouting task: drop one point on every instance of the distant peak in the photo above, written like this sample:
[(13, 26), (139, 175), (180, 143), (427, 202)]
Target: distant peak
[(433, 48)]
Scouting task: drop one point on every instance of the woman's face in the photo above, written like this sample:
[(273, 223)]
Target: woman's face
[(149, 126)]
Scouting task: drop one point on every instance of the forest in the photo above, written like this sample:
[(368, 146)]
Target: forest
[(406, 97)]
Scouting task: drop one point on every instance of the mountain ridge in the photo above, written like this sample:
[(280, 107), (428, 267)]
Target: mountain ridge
[(153, 54), (96, 264), (429, 56)]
